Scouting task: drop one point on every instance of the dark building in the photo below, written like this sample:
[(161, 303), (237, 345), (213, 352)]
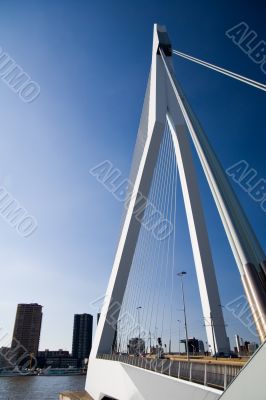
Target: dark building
[(27, 329), (136, 346), (195, 346), (4, 359), (82, 336), (56, 359)]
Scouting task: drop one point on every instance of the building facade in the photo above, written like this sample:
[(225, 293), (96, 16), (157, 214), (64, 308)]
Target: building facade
[(27, 329), (136, 346), (195, 346), (82, 336), (56, 359), (5, 357)]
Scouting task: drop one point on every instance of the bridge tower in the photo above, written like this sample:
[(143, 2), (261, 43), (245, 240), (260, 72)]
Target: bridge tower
[(165, 101)]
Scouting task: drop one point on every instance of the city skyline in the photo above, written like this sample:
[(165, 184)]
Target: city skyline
[(81, 333), (25, 319), (53, 149)]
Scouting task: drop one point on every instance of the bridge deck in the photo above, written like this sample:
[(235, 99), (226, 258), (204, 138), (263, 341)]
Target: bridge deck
[(212, 374)]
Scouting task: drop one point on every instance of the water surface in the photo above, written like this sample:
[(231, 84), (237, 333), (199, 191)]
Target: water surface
[(38, 387)]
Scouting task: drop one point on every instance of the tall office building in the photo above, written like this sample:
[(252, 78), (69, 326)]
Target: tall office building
[(27, 329), (82, 336)]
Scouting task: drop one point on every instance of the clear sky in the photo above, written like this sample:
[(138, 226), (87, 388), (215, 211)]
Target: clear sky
[(91, 60)]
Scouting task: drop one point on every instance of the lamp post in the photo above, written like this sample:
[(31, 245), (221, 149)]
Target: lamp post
[(138, 309), (208, 346), (213, 349), (213, 336), (181, 274), (179, 322), (155, 335)]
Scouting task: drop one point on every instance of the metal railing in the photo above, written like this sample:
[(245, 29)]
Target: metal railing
[(212, 374)]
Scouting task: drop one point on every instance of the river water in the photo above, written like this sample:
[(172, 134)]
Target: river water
[(38, 387)]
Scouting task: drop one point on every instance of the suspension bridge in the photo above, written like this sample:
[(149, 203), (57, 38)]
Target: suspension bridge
[(132, 354)]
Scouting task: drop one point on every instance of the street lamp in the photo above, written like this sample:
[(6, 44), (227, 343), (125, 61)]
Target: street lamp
[(181, 274), (213, 349), (150, 340), (213, 336), (138, 309), (179, 322)]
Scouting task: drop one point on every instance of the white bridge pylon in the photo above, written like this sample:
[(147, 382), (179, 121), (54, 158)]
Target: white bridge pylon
[(164, 101), (161, 105)]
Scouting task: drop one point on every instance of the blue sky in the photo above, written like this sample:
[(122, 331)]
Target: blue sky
[(91, 60)]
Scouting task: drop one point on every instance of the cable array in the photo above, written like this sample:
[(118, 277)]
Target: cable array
[(149, 308), (224, 71)]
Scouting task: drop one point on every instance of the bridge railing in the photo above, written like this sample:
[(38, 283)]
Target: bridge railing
[(209, 374)]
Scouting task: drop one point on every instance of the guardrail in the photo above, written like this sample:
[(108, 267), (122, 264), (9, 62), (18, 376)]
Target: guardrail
[(215, 375)]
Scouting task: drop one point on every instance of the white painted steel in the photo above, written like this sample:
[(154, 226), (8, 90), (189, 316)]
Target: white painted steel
[(126, 382), (208, 287), (162, 98), (245, 246), (224, 71)]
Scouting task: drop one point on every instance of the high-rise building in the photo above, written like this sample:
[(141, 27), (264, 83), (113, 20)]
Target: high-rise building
[(27, 329), (82, 336)]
